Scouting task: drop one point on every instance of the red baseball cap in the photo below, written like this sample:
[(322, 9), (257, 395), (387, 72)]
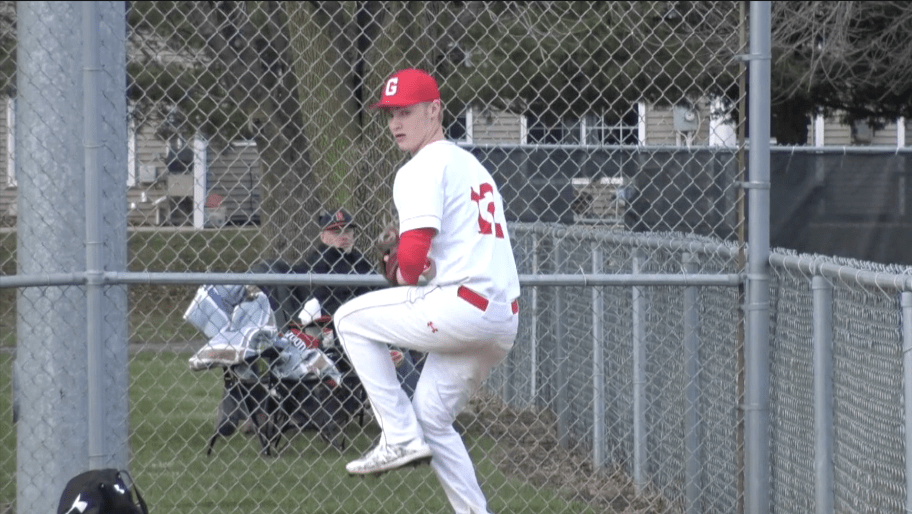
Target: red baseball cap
[(407, 87)]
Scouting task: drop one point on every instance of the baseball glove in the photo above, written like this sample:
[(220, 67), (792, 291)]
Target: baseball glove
[(387, 252)]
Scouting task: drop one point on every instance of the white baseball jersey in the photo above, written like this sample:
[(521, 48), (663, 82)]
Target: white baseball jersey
[(445, 188)]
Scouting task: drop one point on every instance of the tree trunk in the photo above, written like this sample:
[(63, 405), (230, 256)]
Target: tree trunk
[(288, 201), (325, 90), (256, 57)]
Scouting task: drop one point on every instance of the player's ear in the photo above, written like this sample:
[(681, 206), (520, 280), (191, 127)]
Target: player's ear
[(435, 109)]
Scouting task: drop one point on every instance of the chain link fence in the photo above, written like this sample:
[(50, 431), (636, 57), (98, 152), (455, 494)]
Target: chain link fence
[(222, 130)]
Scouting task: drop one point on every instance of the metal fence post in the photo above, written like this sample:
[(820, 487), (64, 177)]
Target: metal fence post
[(561, 377), (906, 305), (598, 364), (93, 233), (533, 350), (639, 376), (692, 432), (823, 392), (111, 236), (508, 389), (49, 168), (71, 360), (756, 355)]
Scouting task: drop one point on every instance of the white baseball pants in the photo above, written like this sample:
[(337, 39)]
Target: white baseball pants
[(463, 343)]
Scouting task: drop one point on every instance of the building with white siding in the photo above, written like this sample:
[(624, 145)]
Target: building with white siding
[(194, 183)]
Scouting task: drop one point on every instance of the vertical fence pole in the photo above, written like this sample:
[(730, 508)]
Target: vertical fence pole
[(112, 177), (823, 392), (598, 364), (639, 377), (533, 349), (106, 232), (906, 305), (72, 372), (692, 431), (94, 243), (756, 355), (51, 438), (508, 389), (562, 402)]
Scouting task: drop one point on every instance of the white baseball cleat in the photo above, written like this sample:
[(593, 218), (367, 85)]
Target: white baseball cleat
[(387, 457)]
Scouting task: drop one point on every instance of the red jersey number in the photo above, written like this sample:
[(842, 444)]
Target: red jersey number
[(486, 221)]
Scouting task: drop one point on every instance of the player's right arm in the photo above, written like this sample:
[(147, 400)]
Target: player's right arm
[(414, 246)]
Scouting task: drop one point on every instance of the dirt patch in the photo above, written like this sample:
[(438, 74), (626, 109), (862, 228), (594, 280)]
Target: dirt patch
[(528, 448)]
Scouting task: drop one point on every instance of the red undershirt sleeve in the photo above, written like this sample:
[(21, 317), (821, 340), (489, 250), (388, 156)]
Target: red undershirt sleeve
[(413, 251)]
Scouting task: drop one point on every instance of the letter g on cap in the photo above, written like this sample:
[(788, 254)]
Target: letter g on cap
[(392, 85)]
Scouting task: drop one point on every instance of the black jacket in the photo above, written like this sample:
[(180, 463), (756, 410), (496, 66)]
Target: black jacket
[(327, 259)]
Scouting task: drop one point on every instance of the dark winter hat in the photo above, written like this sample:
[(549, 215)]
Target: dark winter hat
[(340, 218)]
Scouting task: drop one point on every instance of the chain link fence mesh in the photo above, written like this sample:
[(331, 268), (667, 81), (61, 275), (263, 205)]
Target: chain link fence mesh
[(612, 129), (869, 410)]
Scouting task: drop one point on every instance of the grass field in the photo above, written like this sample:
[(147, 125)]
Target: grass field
[(172, 413), (169, 439)]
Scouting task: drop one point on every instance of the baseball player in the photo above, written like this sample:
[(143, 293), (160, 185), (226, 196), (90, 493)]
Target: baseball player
[(464, 315)]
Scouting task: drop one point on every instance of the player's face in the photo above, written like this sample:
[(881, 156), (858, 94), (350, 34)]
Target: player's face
[(415, 126)]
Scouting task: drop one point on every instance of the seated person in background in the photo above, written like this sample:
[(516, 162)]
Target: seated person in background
[(336, 253)]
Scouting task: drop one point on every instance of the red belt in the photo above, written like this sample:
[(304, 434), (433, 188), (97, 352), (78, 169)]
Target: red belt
[(478, 301)]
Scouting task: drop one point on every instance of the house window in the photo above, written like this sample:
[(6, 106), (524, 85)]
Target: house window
[(542, 131), (591, 129), (459, 129), (612, 129), (180, 156)]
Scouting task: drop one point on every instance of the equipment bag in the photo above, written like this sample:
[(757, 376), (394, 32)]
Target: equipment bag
[(101, 491)]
